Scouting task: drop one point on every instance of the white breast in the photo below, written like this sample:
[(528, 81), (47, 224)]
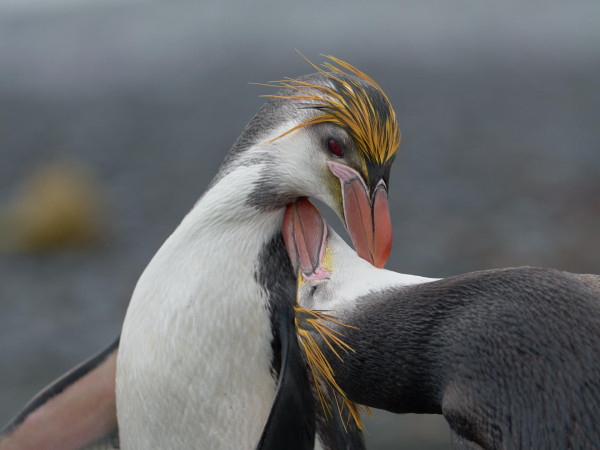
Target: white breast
[(195, 354)]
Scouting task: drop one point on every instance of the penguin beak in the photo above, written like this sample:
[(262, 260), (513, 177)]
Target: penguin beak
[(367, 218), (305, 234)]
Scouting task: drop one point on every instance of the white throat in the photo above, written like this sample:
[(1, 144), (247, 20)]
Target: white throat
[(351, 278), (195, 354)]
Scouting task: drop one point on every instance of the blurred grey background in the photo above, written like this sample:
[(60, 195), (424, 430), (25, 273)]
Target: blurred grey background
[(132, 105)]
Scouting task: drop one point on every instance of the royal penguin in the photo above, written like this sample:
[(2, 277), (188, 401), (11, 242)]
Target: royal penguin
[(510, 357), (208, 356)]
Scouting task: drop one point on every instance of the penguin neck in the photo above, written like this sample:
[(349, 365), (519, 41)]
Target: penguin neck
[(352, 276), (225, 210), (221, 239)]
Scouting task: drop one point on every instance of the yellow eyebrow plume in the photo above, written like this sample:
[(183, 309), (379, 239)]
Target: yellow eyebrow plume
[(348, 103)]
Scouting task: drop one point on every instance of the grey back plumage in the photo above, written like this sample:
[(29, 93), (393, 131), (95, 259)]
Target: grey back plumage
[(511, 357)]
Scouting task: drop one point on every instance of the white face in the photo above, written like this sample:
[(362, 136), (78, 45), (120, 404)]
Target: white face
[(350, 278), (301, 159)]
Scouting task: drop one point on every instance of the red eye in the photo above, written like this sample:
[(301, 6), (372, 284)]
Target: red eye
[(334, 147)]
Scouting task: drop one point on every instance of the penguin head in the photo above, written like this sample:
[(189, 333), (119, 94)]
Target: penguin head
[(333, 136)]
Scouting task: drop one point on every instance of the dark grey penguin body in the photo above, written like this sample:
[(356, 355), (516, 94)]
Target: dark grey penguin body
[(510, 357)]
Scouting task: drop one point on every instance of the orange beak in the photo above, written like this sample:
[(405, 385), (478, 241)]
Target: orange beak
[(367, 219), (305, 234)]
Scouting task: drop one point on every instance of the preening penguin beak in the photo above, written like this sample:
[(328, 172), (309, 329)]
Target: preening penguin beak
[(367, 219), (305, 235)]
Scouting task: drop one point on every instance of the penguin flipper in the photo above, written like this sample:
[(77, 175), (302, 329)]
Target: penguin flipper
[(76, 412)]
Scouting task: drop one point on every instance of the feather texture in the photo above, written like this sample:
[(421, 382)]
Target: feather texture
[(308, 324), (369, 119)]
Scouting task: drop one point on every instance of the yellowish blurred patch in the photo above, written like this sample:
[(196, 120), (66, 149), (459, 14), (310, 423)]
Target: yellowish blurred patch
[(56, 207)]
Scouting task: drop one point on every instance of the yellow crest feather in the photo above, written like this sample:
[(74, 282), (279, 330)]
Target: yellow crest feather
[(348, 104)]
